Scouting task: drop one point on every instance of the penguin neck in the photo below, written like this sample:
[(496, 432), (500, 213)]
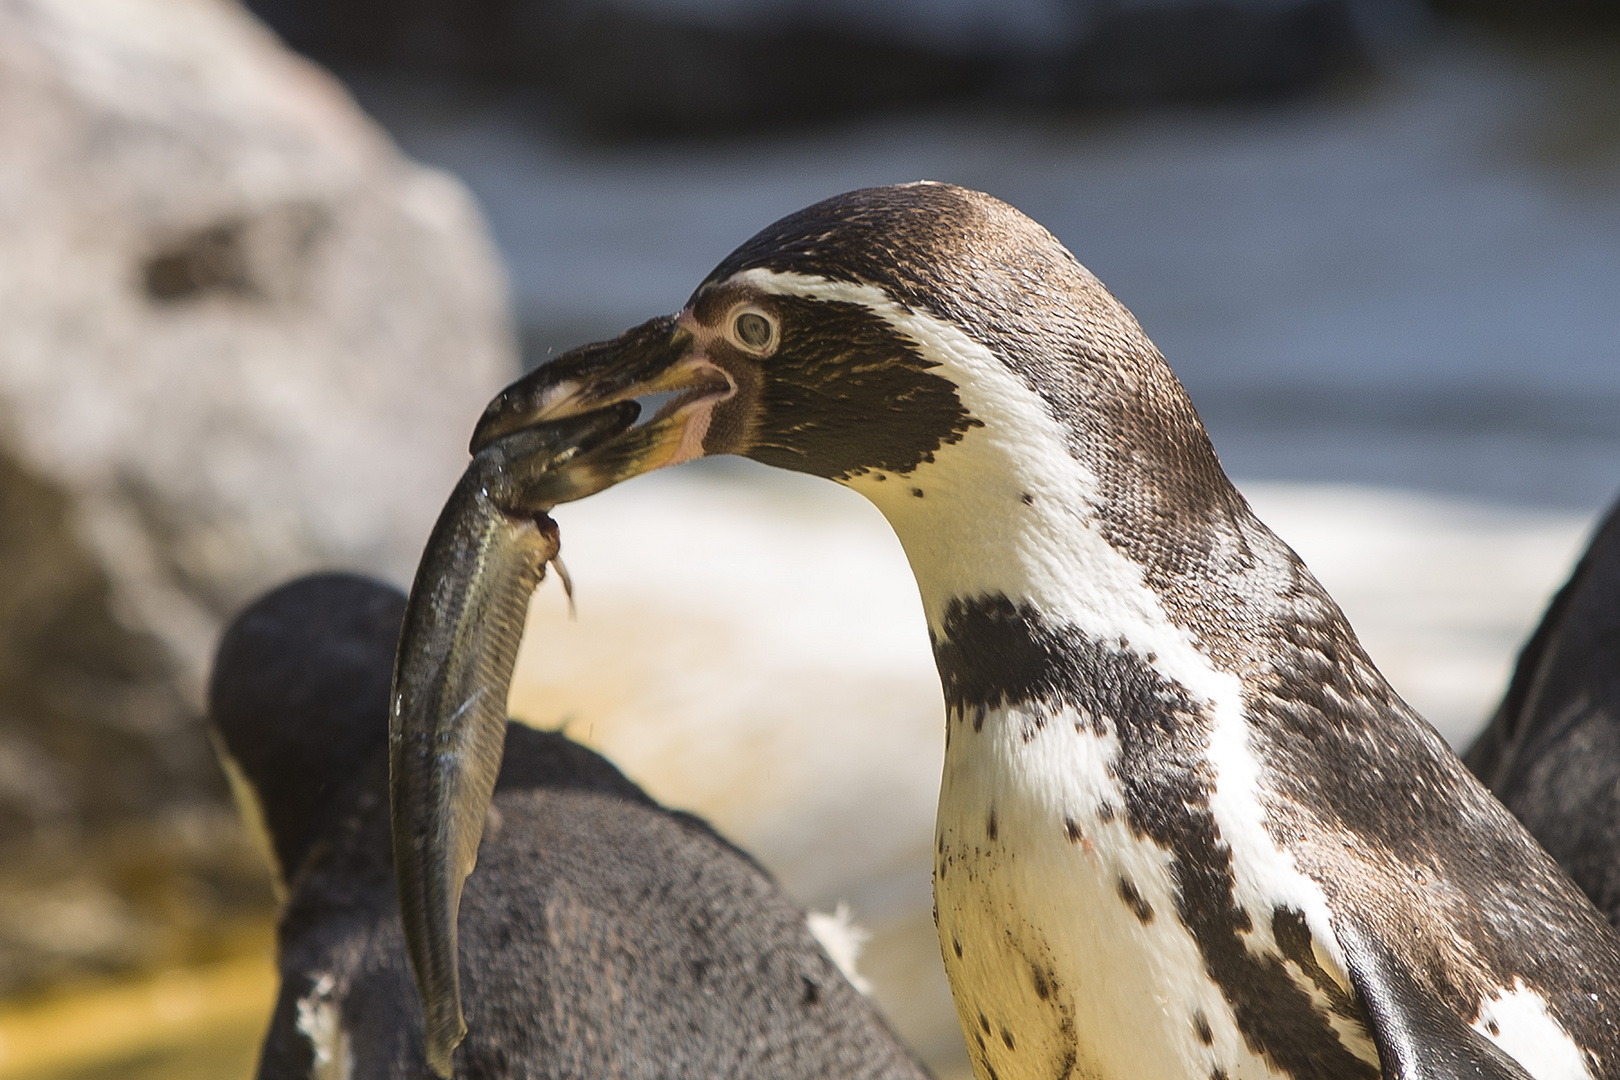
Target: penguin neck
[(1154, 554), (1011, 512), (973, 526), (991, 547)]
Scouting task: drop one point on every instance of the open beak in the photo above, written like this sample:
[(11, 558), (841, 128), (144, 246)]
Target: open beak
[(659, 360)]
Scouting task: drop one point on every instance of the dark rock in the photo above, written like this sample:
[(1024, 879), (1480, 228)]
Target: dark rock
[(1208, 50), (91, 724), (668, 66), (1556, 16), (625, 71)]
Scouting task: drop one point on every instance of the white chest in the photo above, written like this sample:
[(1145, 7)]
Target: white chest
[(1058, 926)]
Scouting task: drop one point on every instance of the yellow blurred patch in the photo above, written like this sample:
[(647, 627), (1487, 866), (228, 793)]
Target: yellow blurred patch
[(216, 1013)]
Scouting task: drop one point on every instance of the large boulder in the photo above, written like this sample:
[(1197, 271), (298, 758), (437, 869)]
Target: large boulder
[(240, 337)]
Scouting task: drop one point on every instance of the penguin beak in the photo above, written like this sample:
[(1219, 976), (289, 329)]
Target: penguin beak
[(659, 359)]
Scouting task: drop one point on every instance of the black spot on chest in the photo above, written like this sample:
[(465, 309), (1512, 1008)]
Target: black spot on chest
[(993, 653), (1135, 901)]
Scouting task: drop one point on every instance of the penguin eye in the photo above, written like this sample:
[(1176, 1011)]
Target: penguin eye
[(754, 331)]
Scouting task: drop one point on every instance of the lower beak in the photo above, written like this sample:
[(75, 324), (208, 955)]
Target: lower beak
[(655, 360)]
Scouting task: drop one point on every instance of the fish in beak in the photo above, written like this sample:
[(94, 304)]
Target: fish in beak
[(565, 431), (447, 716)]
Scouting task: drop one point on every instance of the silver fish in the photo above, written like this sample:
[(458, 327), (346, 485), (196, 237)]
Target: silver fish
[(447, 720), (563, 432)]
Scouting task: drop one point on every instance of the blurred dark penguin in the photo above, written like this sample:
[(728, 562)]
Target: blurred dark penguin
[(1552, 751), (602, 935)]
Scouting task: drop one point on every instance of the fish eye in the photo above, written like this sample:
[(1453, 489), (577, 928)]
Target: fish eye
[(754, 331)]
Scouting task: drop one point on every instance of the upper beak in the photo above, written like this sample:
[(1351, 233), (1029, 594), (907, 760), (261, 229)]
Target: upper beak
[(659, 357)]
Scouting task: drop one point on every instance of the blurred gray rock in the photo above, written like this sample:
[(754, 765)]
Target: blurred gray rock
[(240, 337), (672, 66)]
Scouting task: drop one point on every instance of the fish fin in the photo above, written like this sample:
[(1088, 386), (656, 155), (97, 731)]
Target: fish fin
[(567, 584), (1419, 1036)]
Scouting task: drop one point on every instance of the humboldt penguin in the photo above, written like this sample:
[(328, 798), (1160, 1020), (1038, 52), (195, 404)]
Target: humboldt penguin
[(1552, 751), (605, 936), (1186, 829)]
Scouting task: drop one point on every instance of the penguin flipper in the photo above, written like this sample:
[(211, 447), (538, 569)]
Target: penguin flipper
[(1419, 1036)]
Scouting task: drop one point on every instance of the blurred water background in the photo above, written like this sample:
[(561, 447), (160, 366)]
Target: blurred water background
[(1386, 266)]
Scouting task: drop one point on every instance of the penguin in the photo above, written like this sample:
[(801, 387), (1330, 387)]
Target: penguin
[(1186, 829), (605, 935), (1551, 752)]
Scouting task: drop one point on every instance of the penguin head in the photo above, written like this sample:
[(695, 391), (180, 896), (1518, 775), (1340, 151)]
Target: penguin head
[(298, 704), (932, 348), (824, 344)]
